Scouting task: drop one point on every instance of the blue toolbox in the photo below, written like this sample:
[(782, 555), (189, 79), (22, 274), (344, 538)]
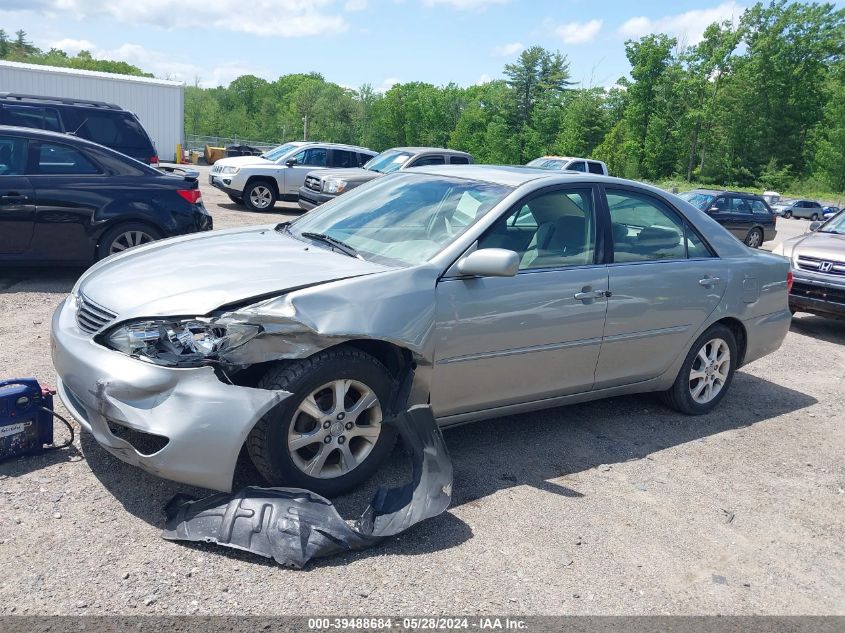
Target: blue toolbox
[(26, 417)]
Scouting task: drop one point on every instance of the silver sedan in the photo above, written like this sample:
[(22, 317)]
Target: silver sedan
[(486, 291)]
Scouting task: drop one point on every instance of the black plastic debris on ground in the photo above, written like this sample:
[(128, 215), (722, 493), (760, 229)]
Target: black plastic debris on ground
[(292, 525)]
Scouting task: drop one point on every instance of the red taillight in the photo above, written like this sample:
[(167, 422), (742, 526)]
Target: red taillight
[(191, 195), (789, 281), (154, 160)]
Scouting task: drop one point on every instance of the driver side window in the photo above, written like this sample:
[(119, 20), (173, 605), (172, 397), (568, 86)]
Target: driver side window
[(550, 230)]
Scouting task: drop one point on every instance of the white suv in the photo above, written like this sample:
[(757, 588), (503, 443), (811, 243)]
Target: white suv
[(570, 163), (259, 181)]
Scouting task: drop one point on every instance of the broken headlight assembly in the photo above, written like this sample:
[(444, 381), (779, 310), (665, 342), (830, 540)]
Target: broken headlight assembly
[(178, 342)]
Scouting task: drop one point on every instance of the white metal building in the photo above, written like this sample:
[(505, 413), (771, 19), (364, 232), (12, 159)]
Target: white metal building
[(158, 103)]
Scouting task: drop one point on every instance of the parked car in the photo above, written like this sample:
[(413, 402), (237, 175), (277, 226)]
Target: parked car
[(67, 200), (259, 181), (103, 123), (324, 185), (569, 163), (745, 215), (830, 211), (484, 291), (818, 268), (808, 209)]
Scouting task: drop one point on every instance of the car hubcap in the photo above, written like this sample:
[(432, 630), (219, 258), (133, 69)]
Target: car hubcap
[(710, 370), (334, 429), (754, 239), (261, 197), (128, 240)]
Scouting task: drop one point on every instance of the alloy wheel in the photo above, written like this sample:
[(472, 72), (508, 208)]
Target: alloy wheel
[(710, 370), (334, 429), (754, 239), (128, 240), (260, 197)]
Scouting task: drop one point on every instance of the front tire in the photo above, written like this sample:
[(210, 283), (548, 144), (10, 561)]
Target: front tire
[(706, 374), (787, 214), (815, 217), (259, 195), (328, 437)]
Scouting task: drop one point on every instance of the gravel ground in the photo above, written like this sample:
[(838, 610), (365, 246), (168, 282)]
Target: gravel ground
[(613, 507)]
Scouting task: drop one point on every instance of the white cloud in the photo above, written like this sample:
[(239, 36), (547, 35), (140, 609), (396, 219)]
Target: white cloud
[(387, 84), (71, 46), (688, 26), (508, 50), (579, 32), (355, 5), (280, 18), (465, 4), (484, 79)]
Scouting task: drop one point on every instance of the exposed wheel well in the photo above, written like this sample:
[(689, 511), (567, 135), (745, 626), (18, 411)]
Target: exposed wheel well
[(738, 329), (267, 179)]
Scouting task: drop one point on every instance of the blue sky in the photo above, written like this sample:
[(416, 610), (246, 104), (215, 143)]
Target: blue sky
[(353, 42)]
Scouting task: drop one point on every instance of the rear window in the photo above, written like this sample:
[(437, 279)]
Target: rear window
[(459, 160), (112, 129), (595, 168)]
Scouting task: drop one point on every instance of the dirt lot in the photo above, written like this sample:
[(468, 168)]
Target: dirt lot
[(614, 507)]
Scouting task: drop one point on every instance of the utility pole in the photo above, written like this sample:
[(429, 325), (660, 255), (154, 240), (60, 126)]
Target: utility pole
[(305, 128)]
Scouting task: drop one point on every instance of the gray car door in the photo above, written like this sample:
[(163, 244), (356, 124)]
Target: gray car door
[(307, 161), (664, 283), (508, 340)]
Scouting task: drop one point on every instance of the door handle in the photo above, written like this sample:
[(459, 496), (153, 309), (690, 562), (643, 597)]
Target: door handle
[(13, 197), (590, 295), (708, 281)]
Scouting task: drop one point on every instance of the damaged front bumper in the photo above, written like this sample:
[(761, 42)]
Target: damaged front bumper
[(180, 424)]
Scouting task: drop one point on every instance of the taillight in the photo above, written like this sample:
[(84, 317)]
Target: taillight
[(154, 160), (191, 195), (789, 281)]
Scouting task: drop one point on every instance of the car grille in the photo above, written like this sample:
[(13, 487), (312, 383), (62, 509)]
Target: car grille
[(312, 183), (92, 318), (826, 266), (822, 293)]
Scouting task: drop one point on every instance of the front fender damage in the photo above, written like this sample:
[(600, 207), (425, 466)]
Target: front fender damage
[(292, 525)]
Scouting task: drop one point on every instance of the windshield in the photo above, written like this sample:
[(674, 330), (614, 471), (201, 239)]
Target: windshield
[(405, 219), (836, 224), (697, 199), (388, 162), (279, 152)]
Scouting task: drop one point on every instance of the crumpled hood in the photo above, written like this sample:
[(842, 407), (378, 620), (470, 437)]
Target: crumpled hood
[(828, 246), (195, 275), (350, 174)]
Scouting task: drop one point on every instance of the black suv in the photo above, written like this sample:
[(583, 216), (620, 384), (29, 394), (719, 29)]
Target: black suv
[(745, 215), (67, 200), (103, 123)]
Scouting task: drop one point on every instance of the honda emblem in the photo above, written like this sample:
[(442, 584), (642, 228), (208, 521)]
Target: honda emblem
[(825, 267)]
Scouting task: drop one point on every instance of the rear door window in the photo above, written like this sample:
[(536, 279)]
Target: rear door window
[(344, 159), (39, 117), (363, 159), (459, 160), (58, 159), (739, 205), (595, 168), (577, 166), (758, 207)]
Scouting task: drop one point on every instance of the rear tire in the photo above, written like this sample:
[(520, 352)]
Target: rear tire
[(707, 373), (332, 432), (814, 217), (259, 195), (754, 239), (124, 236)]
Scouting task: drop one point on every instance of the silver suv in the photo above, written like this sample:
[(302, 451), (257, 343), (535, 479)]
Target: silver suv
[(259, 181)]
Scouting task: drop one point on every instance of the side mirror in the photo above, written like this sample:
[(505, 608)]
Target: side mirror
[(814, 226), (290, 162), (490, 262)]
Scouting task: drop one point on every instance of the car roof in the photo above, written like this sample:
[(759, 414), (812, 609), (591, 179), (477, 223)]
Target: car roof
[(324, 144), (725, 191), (517, 175), (594, 160), (420, 150)]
